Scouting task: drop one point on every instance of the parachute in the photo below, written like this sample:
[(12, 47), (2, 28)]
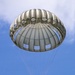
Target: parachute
[(37, 30)]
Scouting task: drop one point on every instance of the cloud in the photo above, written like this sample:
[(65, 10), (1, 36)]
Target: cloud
[(64, 9)]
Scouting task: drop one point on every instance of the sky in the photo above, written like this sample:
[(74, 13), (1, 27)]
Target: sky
[(15, 61)]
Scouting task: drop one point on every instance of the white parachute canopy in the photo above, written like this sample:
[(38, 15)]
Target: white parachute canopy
[(37, 30)]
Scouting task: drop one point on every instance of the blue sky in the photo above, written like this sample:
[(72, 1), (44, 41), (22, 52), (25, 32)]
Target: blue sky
[(14, 61)]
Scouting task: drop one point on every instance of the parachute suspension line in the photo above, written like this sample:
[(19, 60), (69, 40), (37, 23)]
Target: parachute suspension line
[(51, 62), (22, 57)]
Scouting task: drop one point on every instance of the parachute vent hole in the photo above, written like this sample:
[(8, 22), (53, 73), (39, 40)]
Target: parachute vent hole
[(49, 20), (48, 46), (33, 19), (36, 48), (23, 22), (25, 46), (44, 19)]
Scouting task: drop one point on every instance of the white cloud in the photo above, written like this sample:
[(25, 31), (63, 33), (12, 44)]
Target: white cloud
[(64, 9)]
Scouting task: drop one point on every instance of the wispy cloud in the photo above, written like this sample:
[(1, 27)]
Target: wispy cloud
[(64, 9)]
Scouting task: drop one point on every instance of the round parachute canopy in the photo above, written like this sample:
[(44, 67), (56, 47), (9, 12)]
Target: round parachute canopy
[(37, 30)]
